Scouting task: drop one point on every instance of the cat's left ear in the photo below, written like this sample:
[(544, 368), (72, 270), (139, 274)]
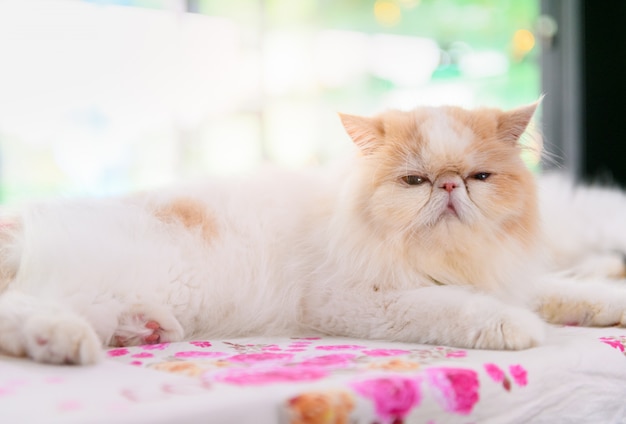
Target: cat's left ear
[(513, 123), (367, 133)]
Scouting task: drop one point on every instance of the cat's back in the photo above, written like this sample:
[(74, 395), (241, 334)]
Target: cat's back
[(582, 224), (271, 201)]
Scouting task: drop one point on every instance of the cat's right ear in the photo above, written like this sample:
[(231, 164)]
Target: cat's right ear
[(366, 133), (512, 124)]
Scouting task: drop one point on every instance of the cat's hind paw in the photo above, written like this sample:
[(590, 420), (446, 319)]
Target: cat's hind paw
[(61, 339), (514, 329), (146, 324)]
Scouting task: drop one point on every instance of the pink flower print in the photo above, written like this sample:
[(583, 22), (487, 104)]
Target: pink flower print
[(117, 352), (271, 348), (11, 385), (616, 344), (186, 388), (261, 357), (157, 346), (142, 355), (385, 352), (70, 405), (255, 376), (497, 375), (198, 354), (200, 343), (136, 363), (393, 397), (338, 360), (456, 388), (495, 372), (456, 354), (298, 347), (519, 374), (339, 347)]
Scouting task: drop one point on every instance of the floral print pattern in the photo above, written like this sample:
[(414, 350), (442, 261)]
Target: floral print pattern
[(402, 376), (319, 381), (517, 372), (618, 343), (393, 397), (331, 407)]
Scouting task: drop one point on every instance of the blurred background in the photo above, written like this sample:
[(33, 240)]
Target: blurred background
[(101, 97)]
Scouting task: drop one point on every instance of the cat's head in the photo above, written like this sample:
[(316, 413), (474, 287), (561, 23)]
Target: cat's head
[(445, 176)]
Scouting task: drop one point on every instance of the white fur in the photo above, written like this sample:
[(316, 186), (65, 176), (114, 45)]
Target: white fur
[(298, 253), (450, 141), (104, 258), (584, 226), (268, 272)]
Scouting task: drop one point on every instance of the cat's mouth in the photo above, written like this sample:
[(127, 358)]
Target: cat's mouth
[(450, 210)]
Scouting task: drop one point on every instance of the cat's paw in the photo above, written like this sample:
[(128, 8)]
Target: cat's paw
[(61, 339), (622, 321), (587, 304), (146, 324), (513, 329)]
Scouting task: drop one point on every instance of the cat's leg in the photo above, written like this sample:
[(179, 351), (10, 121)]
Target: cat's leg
[(584, 303), (146, 324), (443, 315), (29, 326), (45, 331)]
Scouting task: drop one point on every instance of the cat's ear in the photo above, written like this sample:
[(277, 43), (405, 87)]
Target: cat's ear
[(367, 133), (513, 123)]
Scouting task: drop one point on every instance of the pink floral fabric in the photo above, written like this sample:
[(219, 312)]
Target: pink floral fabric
[(618, 342), (393, 381), (394, 397), (325, 380), (456, 388)]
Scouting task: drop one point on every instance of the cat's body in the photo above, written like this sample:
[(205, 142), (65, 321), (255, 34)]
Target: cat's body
[(431, 235)]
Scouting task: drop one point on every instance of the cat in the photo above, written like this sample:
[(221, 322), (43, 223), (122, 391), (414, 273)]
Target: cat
[(434, 232)]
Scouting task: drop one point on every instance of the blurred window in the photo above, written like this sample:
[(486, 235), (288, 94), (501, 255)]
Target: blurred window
[(101, 97)]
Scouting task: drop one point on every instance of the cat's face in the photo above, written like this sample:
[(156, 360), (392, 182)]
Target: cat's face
[(440, 173)]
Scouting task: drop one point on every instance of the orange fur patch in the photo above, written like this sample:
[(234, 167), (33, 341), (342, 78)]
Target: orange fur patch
[(191, 214), (557, 310)]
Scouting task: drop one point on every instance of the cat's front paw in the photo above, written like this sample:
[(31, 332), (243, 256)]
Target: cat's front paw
[(61, 339), (513, 329), (146, 324)]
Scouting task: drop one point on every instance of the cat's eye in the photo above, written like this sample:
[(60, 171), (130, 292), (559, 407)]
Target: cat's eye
[(481, 176), (414, 179)]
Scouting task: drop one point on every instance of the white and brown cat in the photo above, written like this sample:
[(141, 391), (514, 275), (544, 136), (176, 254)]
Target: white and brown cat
[(433, 233)]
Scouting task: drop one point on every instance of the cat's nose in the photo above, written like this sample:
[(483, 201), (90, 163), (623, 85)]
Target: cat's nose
[(449, 181), (448, 186)]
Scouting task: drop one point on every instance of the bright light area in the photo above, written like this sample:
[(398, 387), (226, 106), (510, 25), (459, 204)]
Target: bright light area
[(100, 99)]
